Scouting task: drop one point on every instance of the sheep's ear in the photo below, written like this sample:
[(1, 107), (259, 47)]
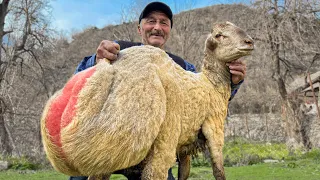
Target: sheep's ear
[(230, 23), (211, 43), (219, 26)]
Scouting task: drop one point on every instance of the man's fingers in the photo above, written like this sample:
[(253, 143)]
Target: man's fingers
[(237, 62), (110, 56), (238, 73), (116, 45), (237, 76), (239, 68), (113, 48), (106, 54), (108, 49)]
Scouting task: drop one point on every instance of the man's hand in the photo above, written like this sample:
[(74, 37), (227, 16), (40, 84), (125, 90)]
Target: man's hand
[(238, 70), (107, 49)]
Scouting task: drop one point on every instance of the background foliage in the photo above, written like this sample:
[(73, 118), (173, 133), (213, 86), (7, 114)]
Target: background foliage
[(36, 61)]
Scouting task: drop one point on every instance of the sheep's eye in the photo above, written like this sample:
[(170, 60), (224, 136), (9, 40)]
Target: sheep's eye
[(218, 35)]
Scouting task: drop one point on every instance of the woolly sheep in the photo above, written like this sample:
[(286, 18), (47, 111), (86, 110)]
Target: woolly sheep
[(143, 109)]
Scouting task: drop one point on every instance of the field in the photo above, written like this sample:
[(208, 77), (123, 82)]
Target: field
[(243, 161), (293, 170)]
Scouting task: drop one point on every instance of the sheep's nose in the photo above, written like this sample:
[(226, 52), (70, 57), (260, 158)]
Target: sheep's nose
[(248, 42)]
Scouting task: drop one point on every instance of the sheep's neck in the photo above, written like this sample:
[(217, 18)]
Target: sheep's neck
[(216, 71)]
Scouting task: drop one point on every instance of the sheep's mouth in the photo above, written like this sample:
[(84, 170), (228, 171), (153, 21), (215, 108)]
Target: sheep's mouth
[(245, 52), (238, 55), (245, 49)]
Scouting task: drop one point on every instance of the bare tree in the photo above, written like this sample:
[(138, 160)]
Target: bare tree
[(289, 31), (187, 33), (131, 12), (24, 31), (4, 132), (129, 16), (185, 6)]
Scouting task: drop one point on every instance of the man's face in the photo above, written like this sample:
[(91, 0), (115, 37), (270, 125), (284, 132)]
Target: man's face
[(155, 29)]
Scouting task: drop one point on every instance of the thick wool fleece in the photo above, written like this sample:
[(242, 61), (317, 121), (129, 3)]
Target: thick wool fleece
[(142, 108)]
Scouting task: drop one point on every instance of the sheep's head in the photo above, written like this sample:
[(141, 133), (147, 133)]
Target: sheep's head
[(227, 42)]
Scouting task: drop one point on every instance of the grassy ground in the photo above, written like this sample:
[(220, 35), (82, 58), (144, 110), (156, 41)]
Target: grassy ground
[(289, 170), (243, 161), (279, 171)]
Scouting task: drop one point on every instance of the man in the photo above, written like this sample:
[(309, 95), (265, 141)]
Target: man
[(155, 23)]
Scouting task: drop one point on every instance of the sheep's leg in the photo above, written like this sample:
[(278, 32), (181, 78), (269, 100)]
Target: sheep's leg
[(162, 155), (160, 158), (184, 166), (215, 140)]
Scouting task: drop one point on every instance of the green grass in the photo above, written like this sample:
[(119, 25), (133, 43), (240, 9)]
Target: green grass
[(240, 152), (242, 162), (288, 170), (31, 175), (281, 171), (308, 169)]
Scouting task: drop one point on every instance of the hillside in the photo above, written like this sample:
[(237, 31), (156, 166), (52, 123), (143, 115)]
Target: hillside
[(187, 40), (258, 94)]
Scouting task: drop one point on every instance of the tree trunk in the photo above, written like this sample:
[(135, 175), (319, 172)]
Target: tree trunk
[(319, 98), (4, 138), (290, 115), (3, 14), (292, 125), (6, 149)]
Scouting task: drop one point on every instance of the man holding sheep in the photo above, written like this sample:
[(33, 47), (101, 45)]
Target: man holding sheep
[(155, 23)]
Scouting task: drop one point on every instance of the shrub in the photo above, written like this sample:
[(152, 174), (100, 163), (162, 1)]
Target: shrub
[(200, 161), (239, 152), (22, 163), (313, 154)]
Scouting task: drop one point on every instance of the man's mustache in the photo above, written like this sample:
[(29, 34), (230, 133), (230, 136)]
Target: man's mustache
[(157, 33)]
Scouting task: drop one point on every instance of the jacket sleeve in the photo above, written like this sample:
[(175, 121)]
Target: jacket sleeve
[(87, 62), (234, 89), (190, 67)]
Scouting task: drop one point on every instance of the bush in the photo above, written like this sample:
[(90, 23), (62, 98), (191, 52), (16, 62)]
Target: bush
[(239, 152), (22, 163), (292, 165), (313, 154), (200, 161)]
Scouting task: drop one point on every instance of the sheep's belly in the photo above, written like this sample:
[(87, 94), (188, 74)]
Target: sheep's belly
[(113, 134)]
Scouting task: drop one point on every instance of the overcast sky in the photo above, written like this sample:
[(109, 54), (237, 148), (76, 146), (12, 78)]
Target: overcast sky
[(75, 15)]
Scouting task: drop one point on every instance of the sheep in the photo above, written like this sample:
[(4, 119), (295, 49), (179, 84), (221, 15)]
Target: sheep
[(142, 110)]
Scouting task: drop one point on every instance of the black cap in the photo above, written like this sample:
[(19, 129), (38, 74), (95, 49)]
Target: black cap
[(156, 6)]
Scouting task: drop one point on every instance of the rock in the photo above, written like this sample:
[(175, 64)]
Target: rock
[(4, 165), (270, 161)]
